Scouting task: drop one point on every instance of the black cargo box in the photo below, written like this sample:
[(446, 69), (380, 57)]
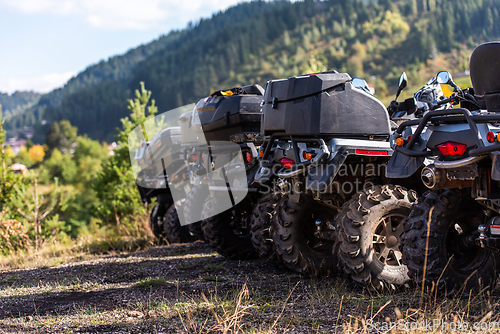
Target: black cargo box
[(322, 104), (189, 134), (166, 143), (224, 115)]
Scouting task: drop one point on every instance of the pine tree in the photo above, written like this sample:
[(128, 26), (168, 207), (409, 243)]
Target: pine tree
[(8, 179), (118, 198)]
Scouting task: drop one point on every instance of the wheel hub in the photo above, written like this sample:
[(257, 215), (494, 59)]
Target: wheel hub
[(391, 241), (386, 243)]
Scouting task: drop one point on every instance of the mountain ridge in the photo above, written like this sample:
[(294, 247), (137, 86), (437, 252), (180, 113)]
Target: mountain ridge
[(257, 41)]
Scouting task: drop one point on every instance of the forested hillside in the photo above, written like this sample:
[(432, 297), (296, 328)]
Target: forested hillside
[(17, 102), (257, 41)]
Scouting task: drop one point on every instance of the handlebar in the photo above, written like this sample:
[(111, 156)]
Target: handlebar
[(408, 105)]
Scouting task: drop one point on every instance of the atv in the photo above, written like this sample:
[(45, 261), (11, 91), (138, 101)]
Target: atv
[(233, 209), (152, 182), (450, 240), (328, 146)]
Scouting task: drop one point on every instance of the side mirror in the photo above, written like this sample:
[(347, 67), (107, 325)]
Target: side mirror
[(403, 82), (444, 78), (360, 84)]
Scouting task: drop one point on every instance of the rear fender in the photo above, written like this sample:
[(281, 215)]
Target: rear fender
[(401, 166), (321, 176), (495, 167)]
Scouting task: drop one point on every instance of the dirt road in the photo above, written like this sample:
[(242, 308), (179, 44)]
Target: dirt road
[(184, 289)]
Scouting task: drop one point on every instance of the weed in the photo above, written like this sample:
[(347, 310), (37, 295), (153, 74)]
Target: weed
[(151, 282)]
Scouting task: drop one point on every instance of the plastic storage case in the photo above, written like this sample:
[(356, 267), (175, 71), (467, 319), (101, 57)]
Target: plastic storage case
[(222, 116), (322, 104)]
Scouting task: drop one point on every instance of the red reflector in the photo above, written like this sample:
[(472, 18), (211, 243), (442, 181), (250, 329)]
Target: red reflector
[(248, 157), (451, 148), (195, 156), (287, 163), (369, 152), (490, 137)]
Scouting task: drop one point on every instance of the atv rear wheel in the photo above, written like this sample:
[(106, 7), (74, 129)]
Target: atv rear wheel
[(371, 223), (156, 223), (262, 215), (226, 232), (192, 209), (174, 231), (305, 235), (446, 218)]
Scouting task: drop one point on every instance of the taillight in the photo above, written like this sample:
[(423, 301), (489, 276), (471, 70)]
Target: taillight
[(195, 156), (248, 157), (450, 148), (287, 163), (490, 137), (307, 155), (370, 152)]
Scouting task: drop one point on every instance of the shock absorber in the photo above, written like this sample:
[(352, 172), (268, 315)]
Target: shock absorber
[(370, 174)]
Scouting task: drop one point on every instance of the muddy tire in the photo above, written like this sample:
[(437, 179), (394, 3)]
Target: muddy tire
[(196, 231), (174, 232), (371, 224), (453, 269), (223, 233), (192, 208), (296, 241), (156, 225), (262, 216)]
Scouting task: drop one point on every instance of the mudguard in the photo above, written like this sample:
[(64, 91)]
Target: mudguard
[(262, 175), (321, 176), (495, 168), (401, 166)]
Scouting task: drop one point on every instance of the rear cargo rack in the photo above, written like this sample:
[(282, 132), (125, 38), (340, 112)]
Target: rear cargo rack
[(448, 116), (293, 139)]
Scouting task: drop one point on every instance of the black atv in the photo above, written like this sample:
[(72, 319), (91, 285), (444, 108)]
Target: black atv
[(152, 182), (451, 240), (235, 211), (328, 146)]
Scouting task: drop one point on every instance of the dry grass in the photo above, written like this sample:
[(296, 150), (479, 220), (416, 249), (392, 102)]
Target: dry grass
[(170, 289)]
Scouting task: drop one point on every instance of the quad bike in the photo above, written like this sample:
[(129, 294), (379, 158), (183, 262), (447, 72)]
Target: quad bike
[(328, 145), (451, 238), (152, 182), (233, 209)]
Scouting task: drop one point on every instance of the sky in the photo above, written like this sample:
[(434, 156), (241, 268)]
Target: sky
[(43, 43)]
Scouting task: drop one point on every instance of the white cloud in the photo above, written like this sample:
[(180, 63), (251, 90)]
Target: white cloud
[(41, 84), (123, 14), (58, 7)]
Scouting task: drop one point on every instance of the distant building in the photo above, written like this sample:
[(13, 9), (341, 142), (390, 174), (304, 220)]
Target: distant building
[(19, 168), (15, 143), (28, 133)]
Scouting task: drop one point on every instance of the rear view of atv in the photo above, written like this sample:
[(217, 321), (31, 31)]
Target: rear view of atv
[(450, 238), (328, 145), (152, 182), (224, 171)]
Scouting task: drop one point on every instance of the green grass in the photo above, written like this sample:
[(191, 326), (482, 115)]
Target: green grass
[(151, 282)]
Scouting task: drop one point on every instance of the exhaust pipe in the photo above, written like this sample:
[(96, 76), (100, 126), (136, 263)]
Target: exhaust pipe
[(432, 177), (436, 178)]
